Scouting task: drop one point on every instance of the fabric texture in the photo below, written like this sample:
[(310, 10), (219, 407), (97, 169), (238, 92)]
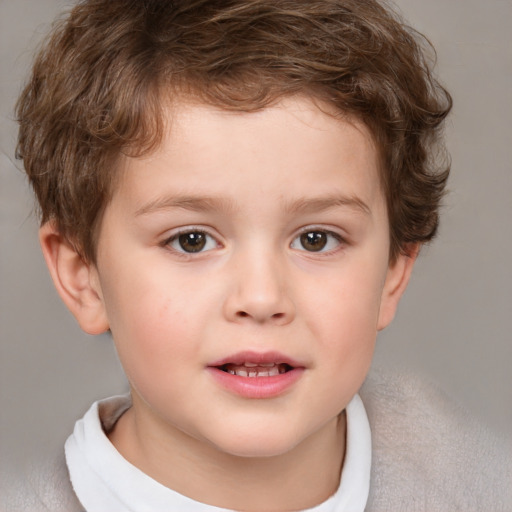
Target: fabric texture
[(428, 455), (104, 480)]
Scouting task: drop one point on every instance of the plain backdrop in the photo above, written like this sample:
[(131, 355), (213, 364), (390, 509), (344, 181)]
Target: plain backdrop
[(453, 325)]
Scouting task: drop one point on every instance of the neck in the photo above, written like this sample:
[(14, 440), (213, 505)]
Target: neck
[(300, 478)]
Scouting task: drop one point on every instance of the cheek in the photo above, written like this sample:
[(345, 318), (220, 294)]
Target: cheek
[(348, 335), (345, 306), (152, 324), (348, 338), (344, 323)]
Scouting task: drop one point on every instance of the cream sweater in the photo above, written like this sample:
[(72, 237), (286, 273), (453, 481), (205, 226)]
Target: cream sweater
[(428, 456)]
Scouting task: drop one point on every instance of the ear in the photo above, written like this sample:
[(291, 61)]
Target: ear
[(76, 281), (397, 278)]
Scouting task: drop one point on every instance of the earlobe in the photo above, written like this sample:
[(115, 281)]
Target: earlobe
[(76, 281), (397, 279)]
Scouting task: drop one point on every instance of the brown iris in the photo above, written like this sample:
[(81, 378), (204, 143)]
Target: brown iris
[(313, 240), (193, 241)]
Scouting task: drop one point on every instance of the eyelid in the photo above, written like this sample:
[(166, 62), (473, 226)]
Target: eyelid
[(340, 239), (177, 232)]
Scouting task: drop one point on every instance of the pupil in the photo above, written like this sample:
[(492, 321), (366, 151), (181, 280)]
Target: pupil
[(192, 242), (313, 241)]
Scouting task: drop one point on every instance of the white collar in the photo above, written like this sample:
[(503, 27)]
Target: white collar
[(103, 480)]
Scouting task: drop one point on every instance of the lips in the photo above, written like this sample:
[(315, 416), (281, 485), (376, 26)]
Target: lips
[(256, 375), (261, 359), (249, 369)]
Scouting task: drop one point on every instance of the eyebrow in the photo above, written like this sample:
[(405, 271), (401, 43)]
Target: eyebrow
[(209, 204), (314, 205), (192, 203)]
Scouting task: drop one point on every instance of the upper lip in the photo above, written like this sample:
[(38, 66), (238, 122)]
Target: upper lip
[(250, 356)]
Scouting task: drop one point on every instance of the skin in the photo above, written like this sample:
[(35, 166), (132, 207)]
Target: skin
[(252, 183)]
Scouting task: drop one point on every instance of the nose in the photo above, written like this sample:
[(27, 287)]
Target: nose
[(258, 291)]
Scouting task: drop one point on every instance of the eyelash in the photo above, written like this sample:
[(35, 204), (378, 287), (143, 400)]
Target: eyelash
[(168, 242), (209, 239), (331, 236)]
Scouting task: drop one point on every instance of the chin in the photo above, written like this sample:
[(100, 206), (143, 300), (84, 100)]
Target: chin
[(259, 444), (257, 450)]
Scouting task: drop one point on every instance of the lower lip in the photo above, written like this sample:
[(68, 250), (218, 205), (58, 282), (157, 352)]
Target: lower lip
[(257, 387)]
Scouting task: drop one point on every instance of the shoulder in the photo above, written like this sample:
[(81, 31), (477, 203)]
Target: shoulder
[(41, 486), (429, 454), (44, 484)]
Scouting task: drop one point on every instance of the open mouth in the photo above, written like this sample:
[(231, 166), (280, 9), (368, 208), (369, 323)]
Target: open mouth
[(253, 374), (248, 369)]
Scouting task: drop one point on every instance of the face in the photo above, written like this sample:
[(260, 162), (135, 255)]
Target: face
[(243, 268)]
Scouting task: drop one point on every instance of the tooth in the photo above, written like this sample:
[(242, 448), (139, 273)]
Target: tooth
[(232, 372), (273, 371), (282, 369), (250, 365), (267, 365), (253, 373), (263, 374), (241, 373)]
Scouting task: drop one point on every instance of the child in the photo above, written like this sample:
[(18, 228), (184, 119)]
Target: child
[(238, 192)]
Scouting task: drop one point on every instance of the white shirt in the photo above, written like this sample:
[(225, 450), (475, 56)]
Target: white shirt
[(106, 482)]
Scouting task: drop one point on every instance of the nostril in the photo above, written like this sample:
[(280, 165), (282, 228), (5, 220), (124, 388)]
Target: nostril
[(261, 314), (244, 314)]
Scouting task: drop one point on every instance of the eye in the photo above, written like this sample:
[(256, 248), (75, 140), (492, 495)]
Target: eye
[(316, 240), (192, 242)]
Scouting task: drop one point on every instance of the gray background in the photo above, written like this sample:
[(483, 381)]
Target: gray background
[(453, 325)]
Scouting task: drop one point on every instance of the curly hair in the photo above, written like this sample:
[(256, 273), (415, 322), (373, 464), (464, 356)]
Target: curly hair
[(97, 87)]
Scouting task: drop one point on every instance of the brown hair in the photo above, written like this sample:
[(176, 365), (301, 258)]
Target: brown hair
[(97, 84)]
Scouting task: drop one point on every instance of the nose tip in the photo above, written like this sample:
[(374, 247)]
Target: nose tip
[(259, 294)]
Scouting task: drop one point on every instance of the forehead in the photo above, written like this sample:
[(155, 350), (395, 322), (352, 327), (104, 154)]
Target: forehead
[(209, 150)]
